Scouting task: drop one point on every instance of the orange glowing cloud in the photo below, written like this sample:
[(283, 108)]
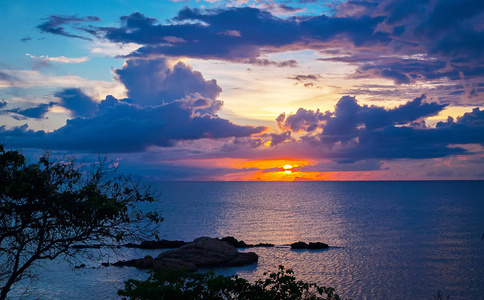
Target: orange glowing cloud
[(287, 169)]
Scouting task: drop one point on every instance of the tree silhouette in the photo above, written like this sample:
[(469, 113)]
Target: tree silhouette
[(48, 207)]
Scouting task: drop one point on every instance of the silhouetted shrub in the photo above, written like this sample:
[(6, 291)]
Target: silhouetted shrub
[(181, 285)]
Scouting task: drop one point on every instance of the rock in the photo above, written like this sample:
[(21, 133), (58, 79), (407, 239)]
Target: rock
[(242, 259), (202, 252), (310, 246), (264, 245), (234, 242), (162, 244), (299, 245), (241, 244), (318, 245)]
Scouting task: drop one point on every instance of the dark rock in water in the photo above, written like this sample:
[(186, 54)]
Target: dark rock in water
[(318, 245), (234, 242), (241, 244), (202, 252), (299, 245), (242, 259), (310, 246), (264, 245), (163, 244)]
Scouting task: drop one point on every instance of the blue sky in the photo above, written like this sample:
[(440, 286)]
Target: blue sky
[(236, 90)]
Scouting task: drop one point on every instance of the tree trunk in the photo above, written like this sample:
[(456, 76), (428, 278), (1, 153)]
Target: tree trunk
[(6, 289)]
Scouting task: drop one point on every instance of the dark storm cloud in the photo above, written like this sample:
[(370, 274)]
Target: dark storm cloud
[(152, 82), (354, 132), (54, 24)]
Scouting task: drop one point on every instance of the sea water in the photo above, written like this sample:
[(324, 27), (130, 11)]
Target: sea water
[(389, 240)]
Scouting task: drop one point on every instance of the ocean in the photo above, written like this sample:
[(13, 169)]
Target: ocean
[(389, 240)]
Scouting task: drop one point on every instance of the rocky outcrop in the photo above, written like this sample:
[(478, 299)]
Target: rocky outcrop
[(148, 262), (310, 246), (163, 244), (241, 244), (202, 252), (166, 244)]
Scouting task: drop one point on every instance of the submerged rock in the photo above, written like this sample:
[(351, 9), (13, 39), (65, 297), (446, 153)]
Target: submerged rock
[(202, 252), (310, 246)]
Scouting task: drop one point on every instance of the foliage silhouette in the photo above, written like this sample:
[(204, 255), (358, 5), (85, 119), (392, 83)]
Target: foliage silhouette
[(50, 206), (181, 285)]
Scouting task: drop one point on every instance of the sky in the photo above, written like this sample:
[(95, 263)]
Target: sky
[(288, 90)]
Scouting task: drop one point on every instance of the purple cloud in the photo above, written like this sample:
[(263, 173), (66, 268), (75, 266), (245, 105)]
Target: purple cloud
[(256, 29), (122, 127), (166, 105), (53, 25), (37, 112), (354, 132), (77, 102), (153, 82), (276, 139)]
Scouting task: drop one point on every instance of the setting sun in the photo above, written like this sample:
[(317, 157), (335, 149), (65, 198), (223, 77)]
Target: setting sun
[(287, 169)]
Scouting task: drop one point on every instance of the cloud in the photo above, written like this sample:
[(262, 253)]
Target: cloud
[(403, 41), (302, 120), (53, 24), (408, 70), (330, 166), (167, 105), (77, 102), (37, 112), (309, 77), (73, 99), (122, 127), (356, 132), (252, 31), (152, 82), (59, 59), (27, 79), (276, 139)]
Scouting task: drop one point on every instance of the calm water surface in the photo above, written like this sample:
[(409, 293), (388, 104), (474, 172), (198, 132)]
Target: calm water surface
[(390, 240)]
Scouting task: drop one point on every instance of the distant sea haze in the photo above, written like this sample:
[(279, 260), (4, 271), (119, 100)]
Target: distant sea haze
[(389, 240)]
